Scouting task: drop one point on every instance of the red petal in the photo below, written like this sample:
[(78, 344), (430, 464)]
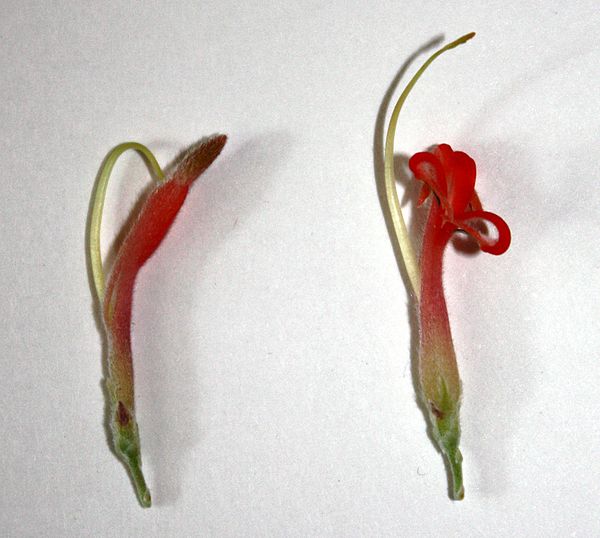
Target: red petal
[(425, 192), (428, 168), (475, 203), (444, 153), (497, 246), (460, 177), (155, 219)]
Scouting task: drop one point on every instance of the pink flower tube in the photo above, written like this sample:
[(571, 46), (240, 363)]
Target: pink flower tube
[(450, 176)]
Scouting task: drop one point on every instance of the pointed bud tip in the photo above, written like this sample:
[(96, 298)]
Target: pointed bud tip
[(198, 158)]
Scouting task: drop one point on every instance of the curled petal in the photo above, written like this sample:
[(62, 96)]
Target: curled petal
[(475, 203), (451, 175), (444, 153), (425, 192), (460, 176), (428, 168), (492, 246)]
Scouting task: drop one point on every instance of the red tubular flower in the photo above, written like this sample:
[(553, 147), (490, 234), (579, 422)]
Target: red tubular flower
[(450, 176), (144, 237)]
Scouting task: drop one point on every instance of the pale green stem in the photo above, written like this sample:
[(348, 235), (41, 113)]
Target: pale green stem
[(98, 204), (406, 247)]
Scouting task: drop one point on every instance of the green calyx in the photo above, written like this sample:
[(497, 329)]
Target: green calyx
[(445, 430), (126, 441)]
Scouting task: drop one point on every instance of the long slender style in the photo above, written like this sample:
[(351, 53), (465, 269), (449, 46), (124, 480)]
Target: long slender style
[(406, 247)]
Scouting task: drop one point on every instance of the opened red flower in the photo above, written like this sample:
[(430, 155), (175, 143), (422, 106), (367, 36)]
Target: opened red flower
[(450, 175), (448, 178)]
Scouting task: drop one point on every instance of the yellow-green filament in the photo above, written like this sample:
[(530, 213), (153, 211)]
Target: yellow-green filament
[(98, 204), (406, 247)]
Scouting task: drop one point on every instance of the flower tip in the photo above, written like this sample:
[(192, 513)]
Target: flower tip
[(198, 158), (219, 140), (460, 41), (465, 38)]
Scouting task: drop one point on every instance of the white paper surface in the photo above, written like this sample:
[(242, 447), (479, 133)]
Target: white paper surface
[(272, 338)]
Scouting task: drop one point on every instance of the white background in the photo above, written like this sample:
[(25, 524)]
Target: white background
[(272, 335)]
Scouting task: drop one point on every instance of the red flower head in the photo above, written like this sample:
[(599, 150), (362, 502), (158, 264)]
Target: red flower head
[(450, 175)]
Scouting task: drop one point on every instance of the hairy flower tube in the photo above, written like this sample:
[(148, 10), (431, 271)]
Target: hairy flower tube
[(448, 178), (142, 239)]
